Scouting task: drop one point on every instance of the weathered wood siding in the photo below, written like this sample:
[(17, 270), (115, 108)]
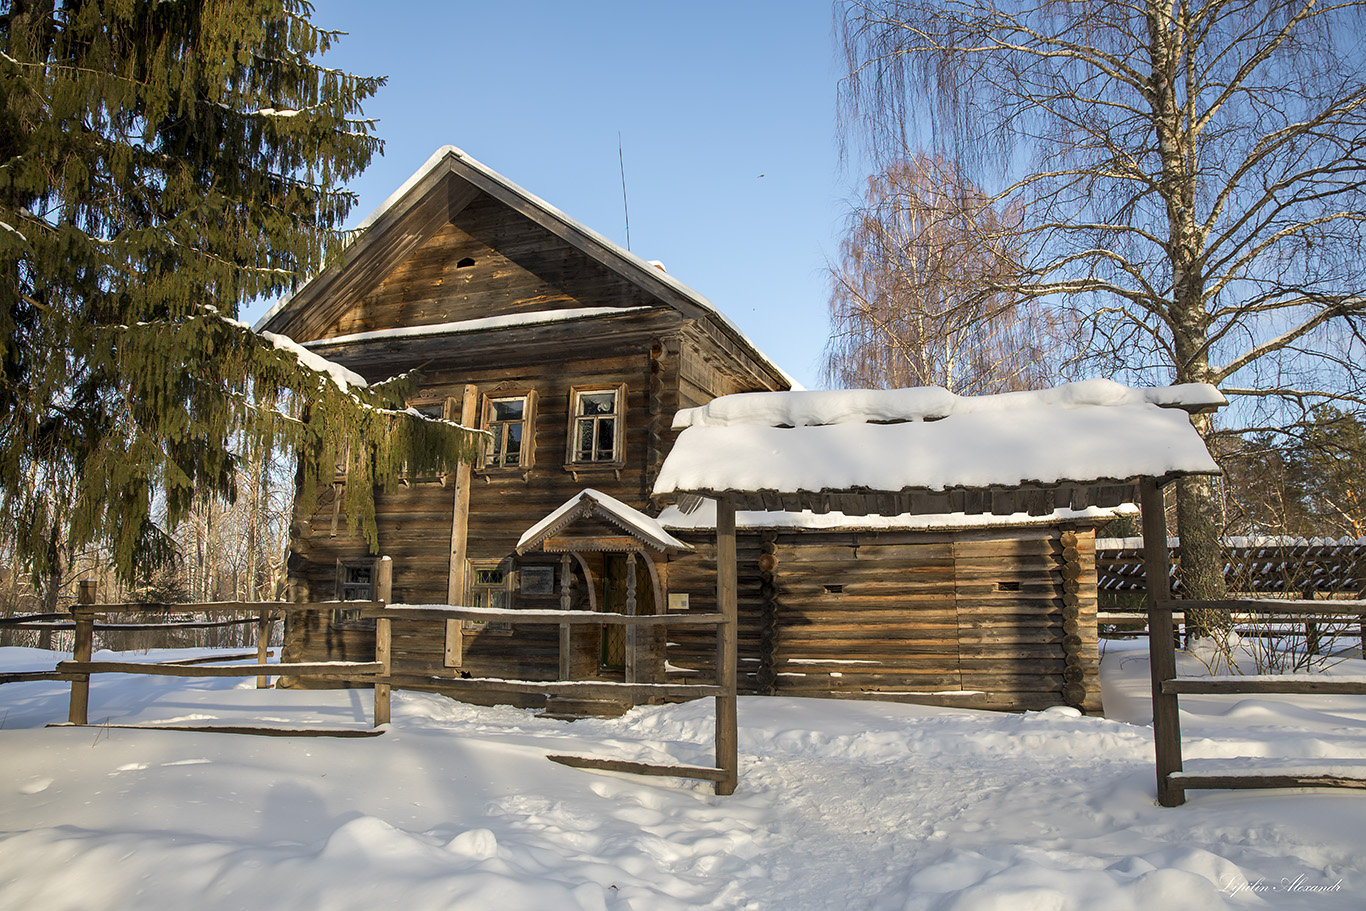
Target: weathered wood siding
[(981, 618)]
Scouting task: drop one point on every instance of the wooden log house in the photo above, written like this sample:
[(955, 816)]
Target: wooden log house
[(572, 352), (576, 356)]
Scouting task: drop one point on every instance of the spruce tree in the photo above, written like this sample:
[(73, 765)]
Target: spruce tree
[(161, 164)]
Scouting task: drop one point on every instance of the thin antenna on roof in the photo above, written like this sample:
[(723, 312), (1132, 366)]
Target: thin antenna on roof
[(621, 159)]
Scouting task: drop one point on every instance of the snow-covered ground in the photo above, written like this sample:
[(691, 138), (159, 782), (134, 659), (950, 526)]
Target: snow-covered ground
[(842, 805)]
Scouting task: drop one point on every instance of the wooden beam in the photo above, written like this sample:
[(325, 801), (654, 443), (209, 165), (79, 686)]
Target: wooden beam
[(234, 729), (1189, 781), (574, 689), (384, 590), (1287, 683), (573, 617), (608, 544), (460, 518), (642, 768), (1161, 649), (302, 669), (727, 646)]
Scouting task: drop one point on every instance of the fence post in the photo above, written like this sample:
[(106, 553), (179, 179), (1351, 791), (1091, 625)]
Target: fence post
[(1161, 649), (727, 591), (82, 650), (263, 646), (383, 639)]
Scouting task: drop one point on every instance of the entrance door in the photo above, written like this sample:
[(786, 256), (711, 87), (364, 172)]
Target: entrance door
[(612, 654)]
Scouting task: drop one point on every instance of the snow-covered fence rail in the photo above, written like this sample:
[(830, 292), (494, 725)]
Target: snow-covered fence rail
[(86, 612)]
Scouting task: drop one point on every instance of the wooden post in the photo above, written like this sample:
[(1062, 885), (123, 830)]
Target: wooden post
[(727, 649), (632, 632), (1161, 649), (263, 646), (566, 603), (460, 519), (384, 590), (83, 650)]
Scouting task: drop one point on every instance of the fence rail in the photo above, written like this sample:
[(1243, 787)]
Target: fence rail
[(1167, 686), (86, 616)]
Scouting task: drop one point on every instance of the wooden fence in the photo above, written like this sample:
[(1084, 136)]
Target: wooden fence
[(86, 613), (1263, 566), (1173, 780)]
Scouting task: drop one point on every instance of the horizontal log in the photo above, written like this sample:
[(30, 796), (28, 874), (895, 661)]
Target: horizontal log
[(235, 729), (641, 768), (208, 607), (25, 676), (584, 689), (210, 659), (573, 617), (1262, 684), (1190, 781), (301, 669), (1259, 607)]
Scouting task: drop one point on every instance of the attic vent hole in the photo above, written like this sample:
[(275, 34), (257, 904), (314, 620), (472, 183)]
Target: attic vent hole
[(465, 263), (834, 589), (1007, 586)]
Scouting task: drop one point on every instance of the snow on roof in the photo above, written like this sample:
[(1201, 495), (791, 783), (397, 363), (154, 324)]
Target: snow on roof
[(589, 500), (509, 320), (929, 439), (926, 403), (652, 270), (704, 518)]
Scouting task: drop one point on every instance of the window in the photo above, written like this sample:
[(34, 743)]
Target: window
[(508, 418), (595, 431), (490, 586), (355, 582)]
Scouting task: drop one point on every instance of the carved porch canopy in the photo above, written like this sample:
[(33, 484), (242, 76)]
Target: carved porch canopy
[(594, 522)]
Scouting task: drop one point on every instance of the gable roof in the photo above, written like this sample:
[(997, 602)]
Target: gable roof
[(435, 194), (595, 504), (857, 442)]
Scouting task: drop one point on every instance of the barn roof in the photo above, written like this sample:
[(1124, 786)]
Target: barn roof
[(449, 181), (1078, 445)]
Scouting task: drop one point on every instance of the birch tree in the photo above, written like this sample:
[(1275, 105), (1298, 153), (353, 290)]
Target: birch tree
[(904, 304), (1188, 176)]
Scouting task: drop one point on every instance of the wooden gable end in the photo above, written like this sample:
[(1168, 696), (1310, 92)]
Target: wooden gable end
[(486, 261)]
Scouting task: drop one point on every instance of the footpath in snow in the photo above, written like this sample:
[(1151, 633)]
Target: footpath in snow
[(842, 805)]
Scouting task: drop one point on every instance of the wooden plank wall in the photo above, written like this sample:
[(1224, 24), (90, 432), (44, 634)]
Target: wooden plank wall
[(517, 267), (990, 619)]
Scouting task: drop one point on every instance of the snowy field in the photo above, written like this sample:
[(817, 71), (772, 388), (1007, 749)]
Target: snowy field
[(842, 806)]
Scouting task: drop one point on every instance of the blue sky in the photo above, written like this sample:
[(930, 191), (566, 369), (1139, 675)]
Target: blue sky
[(726, 112)]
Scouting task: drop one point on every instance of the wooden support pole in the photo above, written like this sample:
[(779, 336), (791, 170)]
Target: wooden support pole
[(460, 519), (384, 591), (727, 647), (632, 634), (1161, 649), (83, 650), (566, 603), (263, 646)]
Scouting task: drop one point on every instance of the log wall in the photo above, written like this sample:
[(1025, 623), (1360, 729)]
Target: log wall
[(990, 619)]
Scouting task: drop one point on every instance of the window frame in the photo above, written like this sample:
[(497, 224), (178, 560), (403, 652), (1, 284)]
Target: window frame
[(528, 450), (618, 458), (349, 618), (473, 587)]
